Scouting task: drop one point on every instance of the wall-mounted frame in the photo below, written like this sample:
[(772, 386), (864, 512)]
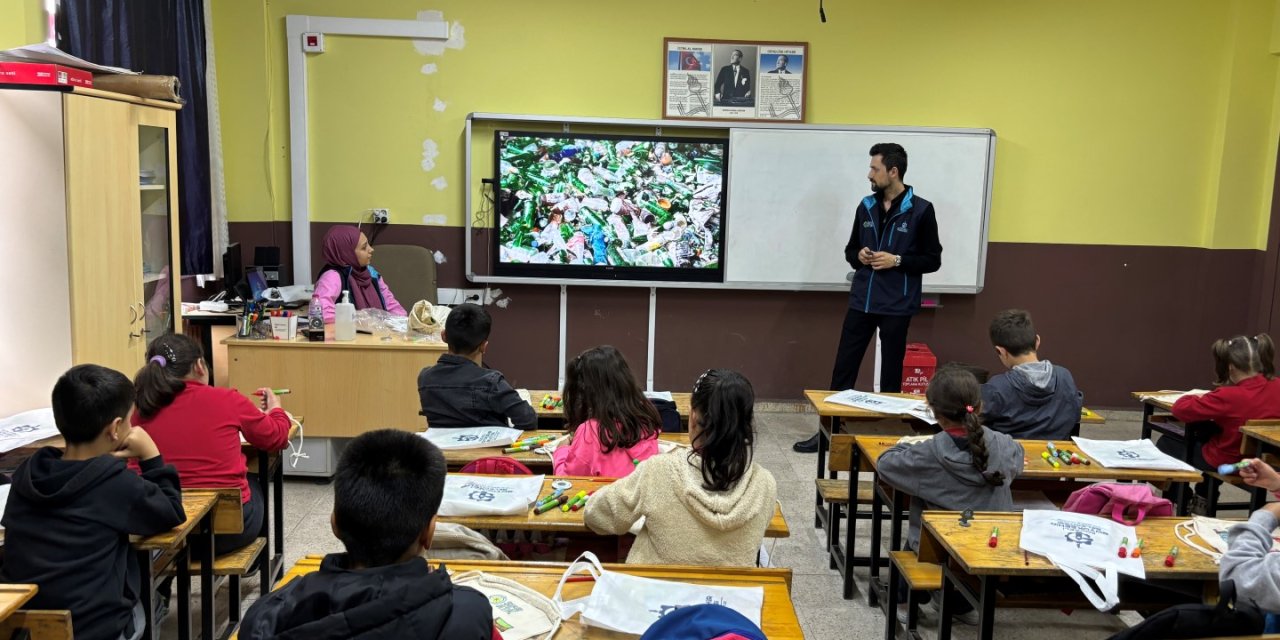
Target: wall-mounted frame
[(734, 80)]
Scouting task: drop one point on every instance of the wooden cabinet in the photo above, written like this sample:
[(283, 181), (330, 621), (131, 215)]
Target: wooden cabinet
[(88, 204)]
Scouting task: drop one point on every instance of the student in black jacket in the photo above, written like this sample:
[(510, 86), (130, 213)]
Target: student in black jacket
[(386, 491), (459, 391), (70, 514)]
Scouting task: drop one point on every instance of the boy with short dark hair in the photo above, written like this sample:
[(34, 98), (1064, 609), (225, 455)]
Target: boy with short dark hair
[(70, 514), (459, 391), (386, 491), (1035, 399)]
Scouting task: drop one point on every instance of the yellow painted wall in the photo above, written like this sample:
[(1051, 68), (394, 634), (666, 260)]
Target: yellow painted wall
[(1150, 122), (21, 22)]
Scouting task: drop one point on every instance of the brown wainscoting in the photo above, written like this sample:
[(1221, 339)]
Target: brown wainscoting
[(1122, 318)]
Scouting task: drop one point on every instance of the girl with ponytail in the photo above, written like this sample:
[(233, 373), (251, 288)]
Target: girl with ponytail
[(706, 505), (197, 427), (1246, 389), (964, 466)]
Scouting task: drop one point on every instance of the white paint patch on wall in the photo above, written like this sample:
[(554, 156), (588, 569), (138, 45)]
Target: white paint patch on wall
[(457, 35), (440, 105), (440, 259), (440, 183), (437, 219), (429, 68), (429, 152)]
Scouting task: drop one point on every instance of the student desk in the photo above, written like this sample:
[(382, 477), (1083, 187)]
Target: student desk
[(572, 521), (346, 388), (171, 547), (1258, 440), (682, 401), (984, 575), (537, 462), (13, 596), (778, 617), (1037, 475)]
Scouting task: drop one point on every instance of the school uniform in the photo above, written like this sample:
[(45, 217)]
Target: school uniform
[(457, 392), (67, 526), (1228, 406), (684, 522), (1032, 401), (585, 455), (404, 600)]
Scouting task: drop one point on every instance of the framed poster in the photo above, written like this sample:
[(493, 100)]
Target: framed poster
[(733, 80)]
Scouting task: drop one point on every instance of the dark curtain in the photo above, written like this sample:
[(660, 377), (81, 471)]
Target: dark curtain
[(162, 37)]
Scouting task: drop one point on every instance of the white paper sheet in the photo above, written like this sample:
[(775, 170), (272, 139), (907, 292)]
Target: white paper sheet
[(886, 404), (26, 428), (47, 54)]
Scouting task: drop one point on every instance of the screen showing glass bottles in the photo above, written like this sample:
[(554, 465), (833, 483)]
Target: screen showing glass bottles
[(596, 206)]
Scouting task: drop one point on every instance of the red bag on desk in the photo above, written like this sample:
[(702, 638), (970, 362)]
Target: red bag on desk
[(1117, 501)]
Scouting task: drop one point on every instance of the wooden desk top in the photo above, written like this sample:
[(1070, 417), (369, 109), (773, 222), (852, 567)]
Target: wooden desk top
[(942, 535), (196, 503), (1143, 397), (59, 443), (778, 618), (572, 522), (457, 458), (362, 341), (13, 596), (1268, 435), (1037, 468), (817, 398), (682, 401)]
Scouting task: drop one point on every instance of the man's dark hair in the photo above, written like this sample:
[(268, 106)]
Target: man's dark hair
[(87, 398), (1012, 329), (467, 328), (387, 488), (893, 156)]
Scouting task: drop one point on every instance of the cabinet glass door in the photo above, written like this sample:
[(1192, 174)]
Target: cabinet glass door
[(157, 237)]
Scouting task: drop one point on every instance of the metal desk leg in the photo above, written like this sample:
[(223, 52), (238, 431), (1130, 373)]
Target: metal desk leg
[(207, 587), (895, 520), (183, 564), (944, 608), (874, 553), (146, 595), (987, 607), (824, 424), (891, 613), (277, 478), (1147, 411)]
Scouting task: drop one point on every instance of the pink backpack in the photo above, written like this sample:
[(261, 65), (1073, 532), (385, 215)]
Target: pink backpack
[(1117, 500)]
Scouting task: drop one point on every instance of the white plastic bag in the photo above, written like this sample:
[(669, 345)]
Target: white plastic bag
[(1085, 548), (519, 612), (1130, 454), (466, 495), (1214, 533), (630, 604), (450, 439)]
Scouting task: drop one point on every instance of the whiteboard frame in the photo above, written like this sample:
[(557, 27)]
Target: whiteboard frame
[(659, 124)]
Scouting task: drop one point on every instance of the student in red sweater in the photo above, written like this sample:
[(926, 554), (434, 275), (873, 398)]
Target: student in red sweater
[(197, 427), (1247, 389)]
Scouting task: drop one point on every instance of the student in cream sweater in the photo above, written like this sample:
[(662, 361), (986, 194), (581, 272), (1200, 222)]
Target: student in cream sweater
[(709, 506)]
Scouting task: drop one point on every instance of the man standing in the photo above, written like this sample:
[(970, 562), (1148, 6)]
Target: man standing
[(733, 83), (893, 244)]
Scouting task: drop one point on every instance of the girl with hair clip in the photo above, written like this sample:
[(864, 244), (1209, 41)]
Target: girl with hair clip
[(613, 426), (197, 427), (965, 466), (1246, 389), (709, 505)]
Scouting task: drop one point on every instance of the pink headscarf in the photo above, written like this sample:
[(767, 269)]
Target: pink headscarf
[(340, 251)]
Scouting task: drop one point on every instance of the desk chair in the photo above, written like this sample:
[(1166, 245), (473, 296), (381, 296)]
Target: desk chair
[(410, 270)]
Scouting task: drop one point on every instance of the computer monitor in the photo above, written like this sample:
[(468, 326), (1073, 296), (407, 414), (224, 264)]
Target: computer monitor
[(257, 282), (233, 273)]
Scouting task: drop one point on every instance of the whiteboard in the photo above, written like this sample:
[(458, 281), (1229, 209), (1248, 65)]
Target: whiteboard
[(793, 192)]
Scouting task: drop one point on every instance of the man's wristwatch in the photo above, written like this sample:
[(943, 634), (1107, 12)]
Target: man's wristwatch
[(897, 261)]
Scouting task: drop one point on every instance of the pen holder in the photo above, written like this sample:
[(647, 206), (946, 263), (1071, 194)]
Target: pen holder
[(284, 328)]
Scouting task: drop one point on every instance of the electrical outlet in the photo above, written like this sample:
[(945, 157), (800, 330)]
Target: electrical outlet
[(381, 216)]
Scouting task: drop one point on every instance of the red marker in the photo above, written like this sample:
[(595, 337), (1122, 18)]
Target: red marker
[(995, 537), (1123, 552), (1173, 556)]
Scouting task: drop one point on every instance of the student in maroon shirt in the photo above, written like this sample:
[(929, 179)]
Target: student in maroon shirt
[(197, 427)]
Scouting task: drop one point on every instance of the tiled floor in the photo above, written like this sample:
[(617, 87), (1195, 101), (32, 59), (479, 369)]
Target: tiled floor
[(816, 588)]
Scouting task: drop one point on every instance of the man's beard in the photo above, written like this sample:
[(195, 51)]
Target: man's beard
[(878, 189)]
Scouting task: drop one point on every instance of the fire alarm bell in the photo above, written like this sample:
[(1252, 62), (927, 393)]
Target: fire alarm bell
[(313, 42)]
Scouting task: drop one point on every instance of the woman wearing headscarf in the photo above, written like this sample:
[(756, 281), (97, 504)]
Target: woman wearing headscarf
[(347, 253)]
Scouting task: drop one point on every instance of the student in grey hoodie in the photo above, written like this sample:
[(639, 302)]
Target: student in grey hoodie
[(1249, 561), (1035, 399), (965, 466)]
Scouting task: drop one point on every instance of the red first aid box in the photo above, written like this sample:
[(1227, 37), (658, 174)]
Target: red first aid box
[(38, 73), (917, 368)]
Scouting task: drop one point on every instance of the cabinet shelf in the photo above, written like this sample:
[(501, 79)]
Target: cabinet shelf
[(148, 278), (152, 187)]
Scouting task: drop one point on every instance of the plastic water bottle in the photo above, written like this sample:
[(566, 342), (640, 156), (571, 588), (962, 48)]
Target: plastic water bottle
[(344, 319), (315, 318)]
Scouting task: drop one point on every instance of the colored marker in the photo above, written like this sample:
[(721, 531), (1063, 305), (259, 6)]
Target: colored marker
[(1075, 459), (995, 537), (530, 440), (567, 505), (1228, 469), (279, 392), (1137, 551), (558, 502), (1124, 544), (1053, 462), (1053, 451), (1064, 456), (582, 503), (554, 494), (1171, 558)]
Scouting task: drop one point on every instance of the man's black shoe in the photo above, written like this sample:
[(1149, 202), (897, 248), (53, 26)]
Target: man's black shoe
[(807, 446)]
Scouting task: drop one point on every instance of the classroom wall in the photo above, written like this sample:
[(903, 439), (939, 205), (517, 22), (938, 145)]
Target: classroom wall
[(1135, 161), (21, 22)]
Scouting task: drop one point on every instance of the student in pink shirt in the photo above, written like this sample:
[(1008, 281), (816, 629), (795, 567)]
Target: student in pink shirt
[(613, 425)]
